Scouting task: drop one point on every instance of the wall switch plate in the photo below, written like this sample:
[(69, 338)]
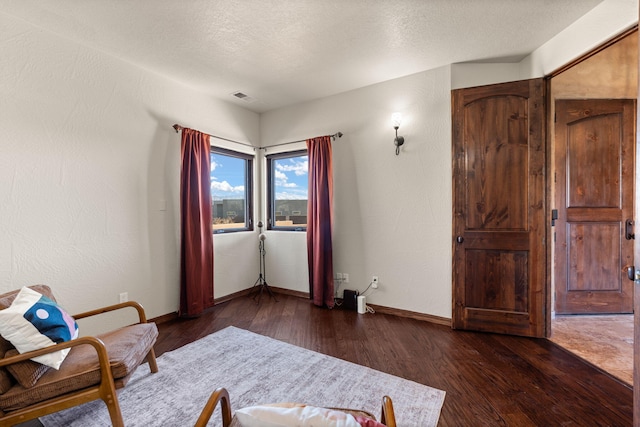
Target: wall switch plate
[(338, 276), (124, 296), (345, 277)]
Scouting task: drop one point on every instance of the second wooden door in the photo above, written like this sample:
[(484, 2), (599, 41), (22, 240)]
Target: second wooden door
[(594, 185)]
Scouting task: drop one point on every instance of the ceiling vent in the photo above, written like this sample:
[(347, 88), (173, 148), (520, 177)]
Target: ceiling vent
[(243, 96)]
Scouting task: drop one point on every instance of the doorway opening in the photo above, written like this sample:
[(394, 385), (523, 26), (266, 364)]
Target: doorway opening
[(604, 340)]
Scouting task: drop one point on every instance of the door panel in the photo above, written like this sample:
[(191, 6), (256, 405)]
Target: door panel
[(498, 224), (505, 277), (594, 148), (586, 241)]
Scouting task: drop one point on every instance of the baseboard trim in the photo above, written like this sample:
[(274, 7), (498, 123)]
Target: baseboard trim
[(305, 295), (164, 318), (230, 297), (411, 315), (298, 294)]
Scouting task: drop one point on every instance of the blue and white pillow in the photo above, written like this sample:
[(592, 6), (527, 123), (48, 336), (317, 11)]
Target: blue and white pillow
[(34, 321)]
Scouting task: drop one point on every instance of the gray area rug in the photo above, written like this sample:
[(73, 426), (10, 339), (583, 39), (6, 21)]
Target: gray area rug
[(255, 369)]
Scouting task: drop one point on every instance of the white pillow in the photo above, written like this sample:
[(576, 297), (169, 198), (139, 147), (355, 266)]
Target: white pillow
[(34, 321), (297, 416)]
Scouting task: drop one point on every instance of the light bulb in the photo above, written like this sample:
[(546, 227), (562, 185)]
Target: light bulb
[(396, 119)]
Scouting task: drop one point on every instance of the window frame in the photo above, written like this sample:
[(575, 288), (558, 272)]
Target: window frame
[(271, 190), (248, 189)]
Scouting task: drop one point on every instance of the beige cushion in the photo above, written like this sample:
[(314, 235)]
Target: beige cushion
[(127, 348), (34, 321), (301, 415), (6, 380)]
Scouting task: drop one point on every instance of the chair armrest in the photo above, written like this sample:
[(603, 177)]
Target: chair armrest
[(219, 395), (388, 417), (103, 356), (141, 314)]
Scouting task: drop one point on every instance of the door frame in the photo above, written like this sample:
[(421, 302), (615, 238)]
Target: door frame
[(549, 147)]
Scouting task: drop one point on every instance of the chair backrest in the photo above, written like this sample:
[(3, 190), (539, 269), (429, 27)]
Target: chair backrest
[(221, 395)]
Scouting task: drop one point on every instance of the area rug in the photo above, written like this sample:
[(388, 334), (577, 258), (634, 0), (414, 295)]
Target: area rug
[(255, 369)]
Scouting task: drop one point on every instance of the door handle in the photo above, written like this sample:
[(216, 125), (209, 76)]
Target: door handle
[(631, 273), (628, 230), (460, 239)]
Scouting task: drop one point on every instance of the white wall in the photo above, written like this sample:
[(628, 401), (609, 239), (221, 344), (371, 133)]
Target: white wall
[(476, 74), (88, 160), (392, 213)]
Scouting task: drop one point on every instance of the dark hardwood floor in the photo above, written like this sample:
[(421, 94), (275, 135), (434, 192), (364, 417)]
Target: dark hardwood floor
[(490, 380)]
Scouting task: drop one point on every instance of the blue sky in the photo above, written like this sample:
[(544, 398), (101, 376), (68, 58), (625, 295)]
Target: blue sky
[(227, 177), (292, 178)]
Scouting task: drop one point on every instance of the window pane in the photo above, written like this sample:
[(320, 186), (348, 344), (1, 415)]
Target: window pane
[(290, 188), (229, 185)]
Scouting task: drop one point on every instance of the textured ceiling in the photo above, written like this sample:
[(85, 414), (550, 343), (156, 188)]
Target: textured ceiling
[(282, 52)]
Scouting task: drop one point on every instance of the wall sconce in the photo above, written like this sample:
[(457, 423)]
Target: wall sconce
[(396, 119)]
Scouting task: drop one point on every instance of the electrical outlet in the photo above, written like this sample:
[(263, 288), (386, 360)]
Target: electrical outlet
[(374, 282), (345, 277), (339, 276), (124, 297)]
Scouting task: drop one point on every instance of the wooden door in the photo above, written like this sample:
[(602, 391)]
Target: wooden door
[(636, 298), (594, 152), (636, 293), (499, 264)]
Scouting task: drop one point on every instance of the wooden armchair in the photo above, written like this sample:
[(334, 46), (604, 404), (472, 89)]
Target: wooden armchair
[(93, 369), (221, 395)]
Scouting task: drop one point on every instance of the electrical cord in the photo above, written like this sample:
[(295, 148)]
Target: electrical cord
[(367, 307), (337, 301), (363, 292)]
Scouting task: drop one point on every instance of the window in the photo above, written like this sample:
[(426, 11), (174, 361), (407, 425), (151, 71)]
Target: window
[(231, 199), (287, 189)]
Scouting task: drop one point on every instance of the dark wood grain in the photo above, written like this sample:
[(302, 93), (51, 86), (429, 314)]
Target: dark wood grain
[(499, 246), (594, 157), (490, 379)]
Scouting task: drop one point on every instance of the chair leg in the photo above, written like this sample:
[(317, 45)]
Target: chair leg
[(151, 358), (388, 417), (111, 400)]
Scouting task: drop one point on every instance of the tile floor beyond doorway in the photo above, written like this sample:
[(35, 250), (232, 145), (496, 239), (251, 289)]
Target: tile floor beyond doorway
[(605, 341)]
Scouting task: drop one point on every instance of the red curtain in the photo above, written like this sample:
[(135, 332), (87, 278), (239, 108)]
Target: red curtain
[(196, 267), (320, 221)]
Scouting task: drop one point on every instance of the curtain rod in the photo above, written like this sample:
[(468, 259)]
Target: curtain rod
[(336, 135), (178, 128)]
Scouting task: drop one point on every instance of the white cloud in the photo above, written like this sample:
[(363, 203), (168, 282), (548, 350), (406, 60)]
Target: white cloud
[(282, 180), (291, 196), (214, 165), (225, 187), (299, 168)]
